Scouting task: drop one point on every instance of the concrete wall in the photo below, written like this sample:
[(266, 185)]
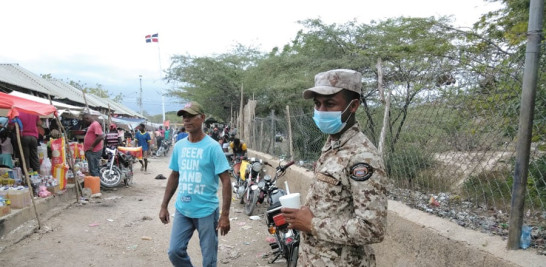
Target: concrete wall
[(416, 238), (22, 222)]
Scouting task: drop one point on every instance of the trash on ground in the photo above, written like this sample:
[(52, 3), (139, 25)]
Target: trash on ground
[(93, 224), (433, 202), (254, 218)]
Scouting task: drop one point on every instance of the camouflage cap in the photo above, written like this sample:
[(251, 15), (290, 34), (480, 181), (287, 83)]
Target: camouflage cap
[(333, 81), (192, 108)]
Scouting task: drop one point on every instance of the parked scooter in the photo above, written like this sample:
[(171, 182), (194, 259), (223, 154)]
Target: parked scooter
[(164, 148), (287, 241), (118, 168)]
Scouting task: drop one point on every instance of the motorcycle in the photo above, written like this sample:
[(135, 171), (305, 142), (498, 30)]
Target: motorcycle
[(118, 168), (287, 241), (163, 148), (251, 180), (238, 163)]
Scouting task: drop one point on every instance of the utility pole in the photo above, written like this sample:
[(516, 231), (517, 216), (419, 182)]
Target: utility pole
[(163, 104), (140, 98)]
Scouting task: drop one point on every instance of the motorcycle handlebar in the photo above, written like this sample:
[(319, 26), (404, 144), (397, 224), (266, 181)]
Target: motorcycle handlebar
[(283, 168)]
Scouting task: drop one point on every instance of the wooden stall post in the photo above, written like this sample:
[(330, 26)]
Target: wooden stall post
[(24, 167)]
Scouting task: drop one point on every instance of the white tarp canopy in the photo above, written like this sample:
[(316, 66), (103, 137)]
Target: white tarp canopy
[(131, 123)]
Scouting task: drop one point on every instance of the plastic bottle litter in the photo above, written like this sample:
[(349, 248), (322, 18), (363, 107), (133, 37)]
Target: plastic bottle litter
[(45, 167), (525, 240)]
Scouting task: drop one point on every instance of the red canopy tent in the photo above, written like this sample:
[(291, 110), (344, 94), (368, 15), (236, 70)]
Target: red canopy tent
[(10, 106)]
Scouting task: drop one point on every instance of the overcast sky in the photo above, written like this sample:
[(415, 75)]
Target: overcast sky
[(103, 41)]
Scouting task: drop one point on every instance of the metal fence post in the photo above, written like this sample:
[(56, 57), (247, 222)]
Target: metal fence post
[(273, 130), (262, 136), (525, 128), (289, 133)]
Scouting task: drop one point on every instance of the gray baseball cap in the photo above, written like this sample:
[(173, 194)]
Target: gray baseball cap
[(333, 81)]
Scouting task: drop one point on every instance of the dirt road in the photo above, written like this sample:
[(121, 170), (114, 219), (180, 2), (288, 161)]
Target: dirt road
[(123, 229)]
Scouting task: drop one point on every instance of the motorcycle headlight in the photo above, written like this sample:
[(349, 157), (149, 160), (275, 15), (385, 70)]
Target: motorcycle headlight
[(256, 166)]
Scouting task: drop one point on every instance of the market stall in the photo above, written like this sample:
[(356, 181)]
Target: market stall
[(53, 174)]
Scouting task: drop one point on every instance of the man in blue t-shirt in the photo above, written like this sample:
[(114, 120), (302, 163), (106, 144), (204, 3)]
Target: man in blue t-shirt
[(143, 140), (181, 135), (197, 163)]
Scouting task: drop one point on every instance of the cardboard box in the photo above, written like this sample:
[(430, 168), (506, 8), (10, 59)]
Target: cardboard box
[(53, 189)]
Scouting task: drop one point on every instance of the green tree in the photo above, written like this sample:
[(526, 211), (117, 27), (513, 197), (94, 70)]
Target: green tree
[(213, 81), (498, 53), (418, 63), (509, 23)]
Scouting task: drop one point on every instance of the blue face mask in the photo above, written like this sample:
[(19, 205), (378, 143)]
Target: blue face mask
[(329, 122)]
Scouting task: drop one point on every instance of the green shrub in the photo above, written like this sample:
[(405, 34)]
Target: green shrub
[(494, 188), (405, 165)]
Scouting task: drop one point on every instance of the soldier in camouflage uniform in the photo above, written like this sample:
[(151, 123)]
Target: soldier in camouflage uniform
[(346, 208)]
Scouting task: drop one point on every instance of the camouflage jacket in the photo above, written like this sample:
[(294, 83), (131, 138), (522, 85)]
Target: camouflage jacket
[(349, 203)]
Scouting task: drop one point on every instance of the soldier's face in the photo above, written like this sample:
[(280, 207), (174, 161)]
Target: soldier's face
[(335, 102)]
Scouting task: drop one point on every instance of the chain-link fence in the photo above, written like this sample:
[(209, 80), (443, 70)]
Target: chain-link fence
[(455, 142)]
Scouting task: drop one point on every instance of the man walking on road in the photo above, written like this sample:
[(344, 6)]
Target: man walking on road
[(197, 163), (346, 207), (143, 140)]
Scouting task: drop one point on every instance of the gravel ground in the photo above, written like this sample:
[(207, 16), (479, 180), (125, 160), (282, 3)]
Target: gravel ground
[(469, 215)]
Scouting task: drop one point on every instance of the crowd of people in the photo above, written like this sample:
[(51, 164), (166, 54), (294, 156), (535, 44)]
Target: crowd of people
[(36, 132)]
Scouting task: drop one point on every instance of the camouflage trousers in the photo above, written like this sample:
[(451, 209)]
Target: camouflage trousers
[(335, 255)]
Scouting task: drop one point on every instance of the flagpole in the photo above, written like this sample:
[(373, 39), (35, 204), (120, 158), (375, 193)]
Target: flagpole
[(160, 77)]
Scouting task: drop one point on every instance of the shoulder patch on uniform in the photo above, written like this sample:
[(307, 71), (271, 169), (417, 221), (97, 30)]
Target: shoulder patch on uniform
[(361, 172)]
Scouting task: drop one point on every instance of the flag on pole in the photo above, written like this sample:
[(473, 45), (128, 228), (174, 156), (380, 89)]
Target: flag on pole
[(152, 38)]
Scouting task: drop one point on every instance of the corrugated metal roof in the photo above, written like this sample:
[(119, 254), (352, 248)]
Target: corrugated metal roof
[(21, 77), (121, 109), (72, 93), (16, 75)]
